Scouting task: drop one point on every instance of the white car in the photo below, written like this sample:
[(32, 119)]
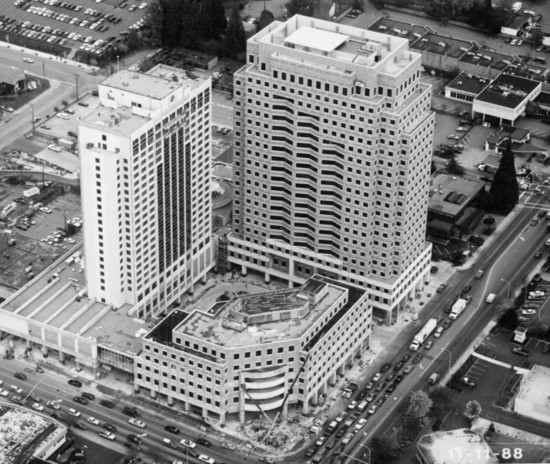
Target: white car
[(37, 407), (28, 60), (55, 148), (372, 409), (53, 405), (188, 444), (137, 423), (352, 405), (93, 420), (360, 424), (62, 115), (73, 412), (529, 312), (69, 240), (207, 459), (16, 389), (107, 435), (377, 377), (3, 392), (46, 210)]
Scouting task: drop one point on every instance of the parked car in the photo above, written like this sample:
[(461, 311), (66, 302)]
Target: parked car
[(109, 427), (80, 400), (88, 396), (20, 376), (468, 382), (137, 423), (172, 429), (204, 442), (521, 352), (75, 383), (428, 344), (73, 412), (386, 367)]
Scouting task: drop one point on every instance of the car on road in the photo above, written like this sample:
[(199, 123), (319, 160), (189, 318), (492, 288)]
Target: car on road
[(377, 377), (453, 137), (80, 400), (352, 405), (386, 367), (107, 435), (93, 420), (310, 452), (321, 441), (441, 288), (447, 323), (16, 389), (369, 386), (266, 460), (340, 417), (28, 60), (20, 376), (53, 405), (398, 366), (188, 444), (406, 357), (528, 312), (408, 368), (172, 429), (88, 396), (350, 420), (439, 331), (398, 379), (54, 147), (545, 349), (3, 392), (134, 439), (462, 129), (74, 382), (372, 409), (64, 116), (69, 240), (520, 42), (70, 111), (369, 397), (340, 432), (73, 412), (479, 274), (417, 358), (80, 425), (17, 399), (514, 42), (137, 423), (360, 424), (347, 438), (521, 352), (466, 289), (107, 404), (37, 407), (109, 427)]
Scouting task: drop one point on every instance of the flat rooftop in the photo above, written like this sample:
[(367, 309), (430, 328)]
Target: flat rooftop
[(529, 71), (442, 45), (449, 194), (120, 120), (401, 29), (469, 83), (158, 83), (62, 302), (534, 386), (468, 446), (234, 314), (508, 91), (543, 99), (487, 59), (22, 431), (319, 40)]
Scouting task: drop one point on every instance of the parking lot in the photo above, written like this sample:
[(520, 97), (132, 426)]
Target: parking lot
[(77, 24)]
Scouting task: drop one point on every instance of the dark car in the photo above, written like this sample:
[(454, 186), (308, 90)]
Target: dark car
[(81, 426), (341, 432), (20, 376), (406, 358), (386, 367), (109, 427), (477, 240), (546, 349), (389, 378), (398, 366), (466, 289), (88, 396), (130, 411), (417, 358), (107, 403), (521, 352), (80, 400), (538, 254), (172, 429), (390, 388), (75, 383), (447, 323), (134, 439), (310, 452), (361, 394), (369, 386), (398, 379), (204, 442)]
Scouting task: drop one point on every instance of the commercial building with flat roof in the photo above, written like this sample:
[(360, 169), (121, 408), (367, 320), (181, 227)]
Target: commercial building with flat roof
[(146, 198), (533, 398), (25, 434), (333, 142), (440, 52), (505, 99), (454, 447), (485, 63), (411, 32), (257, 352), (529, 71), (466, 87)]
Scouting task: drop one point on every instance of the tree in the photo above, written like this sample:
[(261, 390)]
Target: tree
[(301, 7), (416, 416), (509, 320), (504, 189), (387, 447), (266, 18), (154, 18), (472, 410), (235, 39), (454, 167), (133, 40), (537, 36), (212, 19), (442, 400), (189, 28)]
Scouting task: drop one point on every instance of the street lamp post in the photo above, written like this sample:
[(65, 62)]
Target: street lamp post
[(117, 63), (32, 116), (76, 79), (508, 284)]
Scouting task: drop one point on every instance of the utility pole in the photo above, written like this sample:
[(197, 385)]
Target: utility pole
[(76, 78), (32, 116), (44, 69)]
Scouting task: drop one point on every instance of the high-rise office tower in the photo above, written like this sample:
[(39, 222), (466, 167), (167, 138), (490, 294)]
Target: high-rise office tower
[(145, 160), (333, 144)]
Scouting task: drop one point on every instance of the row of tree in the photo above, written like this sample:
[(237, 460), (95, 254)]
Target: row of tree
[(191, 23)]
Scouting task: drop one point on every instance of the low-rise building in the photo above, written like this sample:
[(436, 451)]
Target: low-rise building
[(533, 399), (466, 87), (485, 63), (498, 140), (399, 29), (454, 447), (440, 52), (505, 99), (25, 434), (256, 352), (451, 210), (516, 24)]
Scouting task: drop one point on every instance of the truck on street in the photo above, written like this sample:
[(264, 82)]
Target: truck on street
[(457, 308), (421, 336)]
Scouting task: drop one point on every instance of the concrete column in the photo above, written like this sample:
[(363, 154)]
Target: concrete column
[(191, 289), (61, 356), (267, 278), (136, 387), (204, 279), (243, 270), (411, 293), (44, 350), (332, 380), (323, 388), (204, 413), (28, 344), (154, 393), (186, 406), (222, 418), (420, 284), (315, 397), (170, 400), (342, 369), (285, 409), (242, 415), (305, 407)]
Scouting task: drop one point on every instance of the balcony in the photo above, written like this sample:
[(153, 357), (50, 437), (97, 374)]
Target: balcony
[(268, 394), (268, 383), (268, 406)]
